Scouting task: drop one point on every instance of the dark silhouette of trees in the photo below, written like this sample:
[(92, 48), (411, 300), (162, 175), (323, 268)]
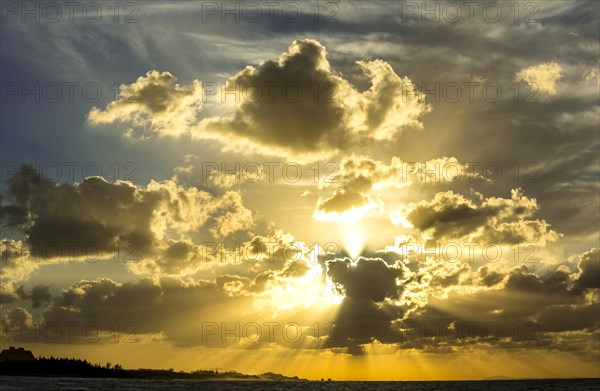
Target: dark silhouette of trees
[(72, 367), (61, 366)]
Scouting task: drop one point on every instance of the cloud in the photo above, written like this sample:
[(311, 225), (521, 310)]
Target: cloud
[(589, 270), (174, 258), (15, 318), (489, 277), (15, 262), (38, 295), (7, 293), (358, 176), (174, 307), (292, 120), (230, 215), (171, 309), (349, 203), (491, 220), (466, 309), (442, 307), (366, 313), (324, 112), (592, 74), (297, 105), (95, 218), (13, 321), (548, 304), (391, 103), (543, 76), (367, 279), (153, 102), (462, 308)]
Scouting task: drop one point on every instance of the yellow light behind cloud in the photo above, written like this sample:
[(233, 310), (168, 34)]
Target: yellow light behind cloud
[(353, 239)]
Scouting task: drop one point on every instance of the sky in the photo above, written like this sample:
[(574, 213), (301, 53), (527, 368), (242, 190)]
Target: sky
[(331, 189)]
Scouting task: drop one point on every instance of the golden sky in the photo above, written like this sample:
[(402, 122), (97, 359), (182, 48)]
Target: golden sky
[(361, 191)]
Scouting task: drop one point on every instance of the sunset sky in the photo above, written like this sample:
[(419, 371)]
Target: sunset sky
[(348, 190)]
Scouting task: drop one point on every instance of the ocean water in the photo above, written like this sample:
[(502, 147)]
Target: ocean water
[(9, 383)]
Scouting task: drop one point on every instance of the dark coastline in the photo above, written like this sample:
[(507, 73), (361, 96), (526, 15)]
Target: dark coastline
[(75, 368)]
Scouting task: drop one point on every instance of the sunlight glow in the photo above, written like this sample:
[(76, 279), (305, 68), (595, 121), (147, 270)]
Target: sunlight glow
[(353, 240), (350, 216)]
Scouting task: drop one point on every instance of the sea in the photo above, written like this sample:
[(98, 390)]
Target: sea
[(10, 383)]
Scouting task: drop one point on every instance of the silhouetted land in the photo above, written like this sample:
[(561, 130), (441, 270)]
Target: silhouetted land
[(71, 367)]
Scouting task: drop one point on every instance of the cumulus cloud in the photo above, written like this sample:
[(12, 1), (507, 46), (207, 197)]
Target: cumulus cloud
[(260, 254), (13, 321), (171, 309), (95, 218), (15, 262), (592, 74), (359, 176), (349, 203), (543, 76), (324, 112), (498, 220), (7, 293), (548, 303), (230, 215), (391, 103), (154, 102), (589, 270), (462, 307), (441, 307), (366, 279), (489, 277), (175, 258), (296, 104), (15, 318), (292, 120), (366, 313), (149, 306)]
